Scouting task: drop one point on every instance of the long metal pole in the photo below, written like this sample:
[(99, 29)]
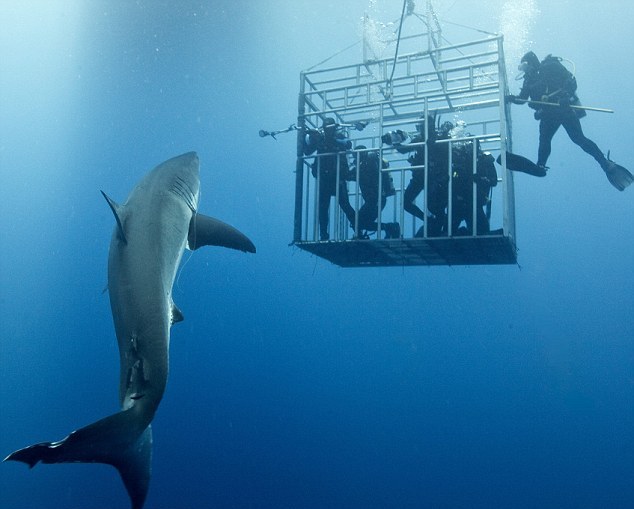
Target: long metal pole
[(574, 106)]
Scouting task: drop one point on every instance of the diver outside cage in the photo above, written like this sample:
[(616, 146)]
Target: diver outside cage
[(550, 89)]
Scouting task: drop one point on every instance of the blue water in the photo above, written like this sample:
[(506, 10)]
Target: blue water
[(295, 383)]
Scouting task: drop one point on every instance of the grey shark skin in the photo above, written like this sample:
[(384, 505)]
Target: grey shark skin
[(153, 227)]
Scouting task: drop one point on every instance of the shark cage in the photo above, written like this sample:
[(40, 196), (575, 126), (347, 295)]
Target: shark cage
[(425, 127)]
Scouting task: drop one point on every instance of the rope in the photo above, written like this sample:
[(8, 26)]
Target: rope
[(398, 41), (484, 75), (410, 10), (468, 27), (333, 56)]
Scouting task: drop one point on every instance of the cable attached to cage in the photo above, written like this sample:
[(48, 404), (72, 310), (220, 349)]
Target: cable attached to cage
[(398, 38), (332, 56)]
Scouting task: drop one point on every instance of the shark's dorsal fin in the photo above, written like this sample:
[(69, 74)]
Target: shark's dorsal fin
[(207, 231), (116, 210)]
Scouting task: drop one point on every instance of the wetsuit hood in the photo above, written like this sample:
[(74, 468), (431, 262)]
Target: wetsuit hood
[(531, 59)]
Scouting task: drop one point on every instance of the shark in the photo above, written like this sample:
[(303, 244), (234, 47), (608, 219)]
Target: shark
[(154, 226)]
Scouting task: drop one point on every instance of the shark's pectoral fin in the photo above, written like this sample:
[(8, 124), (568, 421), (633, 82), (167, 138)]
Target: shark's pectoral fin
[(207, 231), (117, 211)]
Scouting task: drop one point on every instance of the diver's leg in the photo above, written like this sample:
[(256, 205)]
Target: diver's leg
[(575, 132), (368, 212), (366, 218), (413, 189), (438, 201), (324, 205), (344, 203), (483, 222), (547, 128)]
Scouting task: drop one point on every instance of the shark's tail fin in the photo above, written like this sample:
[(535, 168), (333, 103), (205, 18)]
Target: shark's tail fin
[(113, 440), (135, 468)]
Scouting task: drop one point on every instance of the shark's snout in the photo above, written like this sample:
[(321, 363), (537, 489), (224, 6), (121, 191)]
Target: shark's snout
[(188, 158)]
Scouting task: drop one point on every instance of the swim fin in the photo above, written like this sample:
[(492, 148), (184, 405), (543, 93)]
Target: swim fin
[(516, 162), (618, 176)]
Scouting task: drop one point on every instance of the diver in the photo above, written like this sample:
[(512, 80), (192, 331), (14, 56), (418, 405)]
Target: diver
[(549, 81), (463, 179), (369, 171), (331, 147), (437, 176)]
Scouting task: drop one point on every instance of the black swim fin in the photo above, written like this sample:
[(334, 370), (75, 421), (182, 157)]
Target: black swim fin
[(516, 162), (618, 176)]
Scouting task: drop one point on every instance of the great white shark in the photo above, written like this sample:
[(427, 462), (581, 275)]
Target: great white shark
[(153, 227)]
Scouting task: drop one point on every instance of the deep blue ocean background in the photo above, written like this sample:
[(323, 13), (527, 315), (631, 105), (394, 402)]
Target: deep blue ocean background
[(295, 383)]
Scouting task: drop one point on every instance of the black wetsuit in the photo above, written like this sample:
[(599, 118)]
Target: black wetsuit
[(463, 178), (369, 170), (437, 179), (552, 82), (327, 167)]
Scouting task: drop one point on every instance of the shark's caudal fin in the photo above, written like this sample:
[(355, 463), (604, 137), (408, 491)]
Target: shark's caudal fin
[(207, 231), (113, 440), (135, 468)]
